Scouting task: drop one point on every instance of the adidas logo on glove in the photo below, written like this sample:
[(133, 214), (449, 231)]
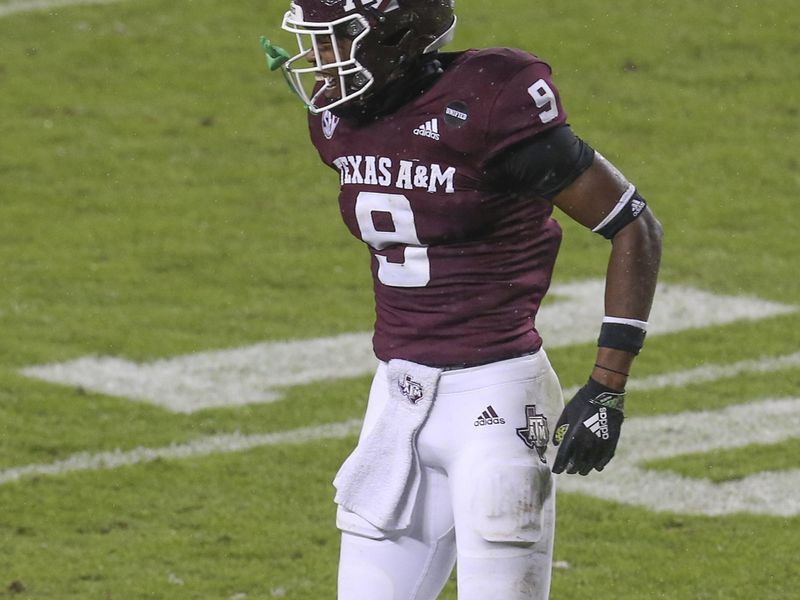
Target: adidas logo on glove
[(598, 423)]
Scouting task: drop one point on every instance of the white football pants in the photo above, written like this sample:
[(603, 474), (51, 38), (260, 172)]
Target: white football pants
[(487, 499)]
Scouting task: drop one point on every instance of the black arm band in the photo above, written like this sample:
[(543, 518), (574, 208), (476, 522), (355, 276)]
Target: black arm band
[(620, 336), (542, 165), (630, 206)]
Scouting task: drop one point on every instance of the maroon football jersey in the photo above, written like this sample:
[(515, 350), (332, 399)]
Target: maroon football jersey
[(459, 269)]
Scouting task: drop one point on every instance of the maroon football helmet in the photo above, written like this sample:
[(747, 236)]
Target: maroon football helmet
[(367, 44)]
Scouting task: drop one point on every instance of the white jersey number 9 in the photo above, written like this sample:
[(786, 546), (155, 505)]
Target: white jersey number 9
[(544, 96), (415, 269)]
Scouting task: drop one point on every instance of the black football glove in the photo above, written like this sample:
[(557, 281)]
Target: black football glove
[(588, 429)]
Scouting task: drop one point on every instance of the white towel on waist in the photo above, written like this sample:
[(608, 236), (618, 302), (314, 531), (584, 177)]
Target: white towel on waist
[(380, 479)]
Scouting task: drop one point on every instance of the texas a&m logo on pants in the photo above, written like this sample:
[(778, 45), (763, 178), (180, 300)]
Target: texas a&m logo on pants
[(536, 433)]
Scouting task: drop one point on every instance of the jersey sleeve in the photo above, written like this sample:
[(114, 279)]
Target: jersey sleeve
[(527, 104)]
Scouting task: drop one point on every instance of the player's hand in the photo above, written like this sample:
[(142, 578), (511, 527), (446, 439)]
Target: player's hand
[(588, 429)]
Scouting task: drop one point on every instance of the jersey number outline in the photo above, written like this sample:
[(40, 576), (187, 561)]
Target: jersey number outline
[(543, 95), (415, 270)]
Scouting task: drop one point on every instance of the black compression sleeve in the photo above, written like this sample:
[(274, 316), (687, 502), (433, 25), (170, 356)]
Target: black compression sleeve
[(543, 165)]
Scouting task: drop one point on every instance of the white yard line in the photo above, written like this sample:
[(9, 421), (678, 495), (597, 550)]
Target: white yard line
[(261, 372), (644, 438), (22, 6), (769, 421), (625, 480), (217, 444), (708, 373), (224, 378)]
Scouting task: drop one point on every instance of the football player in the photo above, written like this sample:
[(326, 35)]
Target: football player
[(449, 166)]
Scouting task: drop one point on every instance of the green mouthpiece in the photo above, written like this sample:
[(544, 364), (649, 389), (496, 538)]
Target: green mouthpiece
[(276, 56)]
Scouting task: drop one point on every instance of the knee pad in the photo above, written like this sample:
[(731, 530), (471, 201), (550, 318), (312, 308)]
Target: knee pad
[(509, 517), (508, 499)]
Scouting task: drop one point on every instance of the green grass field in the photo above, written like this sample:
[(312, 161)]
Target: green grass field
[(159, 198)]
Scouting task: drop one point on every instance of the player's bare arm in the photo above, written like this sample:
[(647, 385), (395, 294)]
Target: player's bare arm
[(603, 200), (633, 262)]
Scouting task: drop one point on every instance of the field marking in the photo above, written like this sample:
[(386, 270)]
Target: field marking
[(708, 373), (774, 493), (22, 6), (252, 374), (217, 444), (767, 421), (259, 373)]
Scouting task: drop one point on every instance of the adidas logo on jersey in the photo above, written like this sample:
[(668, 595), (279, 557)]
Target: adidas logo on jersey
[(489, 417), (598, 423), (429, 129), (637, 206)]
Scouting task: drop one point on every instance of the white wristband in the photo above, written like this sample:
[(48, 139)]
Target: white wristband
[(623, 321)]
